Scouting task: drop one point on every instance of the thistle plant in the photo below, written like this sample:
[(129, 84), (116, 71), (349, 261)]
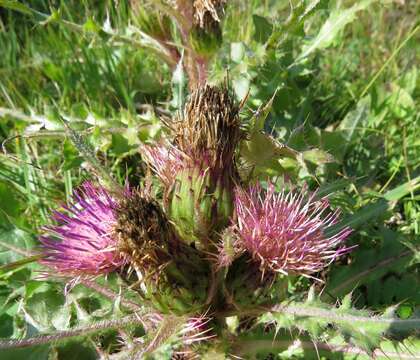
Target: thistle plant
[(213, 246), (218, 247)]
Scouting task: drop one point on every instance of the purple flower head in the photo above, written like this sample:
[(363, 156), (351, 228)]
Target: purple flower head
[(82, 243), (286, 232)]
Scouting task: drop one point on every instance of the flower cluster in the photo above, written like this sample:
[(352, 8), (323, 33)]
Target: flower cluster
[(166, 249)]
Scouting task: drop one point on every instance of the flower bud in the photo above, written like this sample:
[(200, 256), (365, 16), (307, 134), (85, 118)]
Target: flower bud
[(201, 197), (201, 202)]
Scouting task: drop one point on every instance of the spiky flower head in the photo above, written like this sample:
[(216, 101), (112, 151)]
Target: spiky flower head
[(142, 231), (287, 232), (208, 10), (207, 134), (209, 128), (82, 243)]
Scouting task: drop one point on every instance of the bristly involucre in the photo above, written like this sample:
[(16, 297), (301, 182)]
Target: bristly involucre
[(82, 243), (209, 128), (286, 232)]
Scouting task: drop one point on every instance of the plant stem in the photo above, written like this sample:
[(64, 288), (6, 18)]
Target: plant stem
[(78, 331), (333, 315)]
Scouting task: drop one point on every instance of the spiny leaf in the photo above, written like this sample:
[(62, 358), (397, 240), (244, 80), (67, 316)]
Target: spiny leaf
[(298, 14), (260, 116), (358, 327), (261, 345), (164, 335)]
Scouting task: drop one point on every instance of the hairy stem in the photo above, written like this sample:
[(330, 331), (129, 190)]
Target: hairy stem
[(334, 315), (78, 331)]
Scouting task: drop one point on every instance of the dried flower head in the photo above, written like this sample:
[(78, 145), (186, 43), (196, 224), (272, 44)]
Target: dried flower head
[(208, 10), (209, 127), (286, 232), (143, 232), (83, 243)]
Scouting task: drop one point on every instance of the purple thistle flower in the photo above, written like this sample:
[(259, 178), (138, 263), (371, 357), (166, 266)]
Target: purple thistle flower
[(82, 243), (286, 231)]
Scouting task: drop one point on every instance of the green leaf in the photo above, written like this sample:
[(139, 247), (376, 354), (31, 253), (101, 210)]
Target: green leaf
[(403, 190), (72, 159), (263, 28), (263, 152), (6, 326), (295, 23), (88, 153), (336, 22), (377, 208), (260, 116), (120, 145), (317, 156), (76, 350), (91, 26), (354, 120), (368, 266), (48, 311), (33, 353), (16, 5), (400, 102), (11, 239), (10, 206)]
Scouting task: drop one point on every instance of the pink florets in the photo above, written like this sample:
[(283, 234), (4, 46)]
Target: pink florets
[(166, 161), (82, 242), (286, 232)]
